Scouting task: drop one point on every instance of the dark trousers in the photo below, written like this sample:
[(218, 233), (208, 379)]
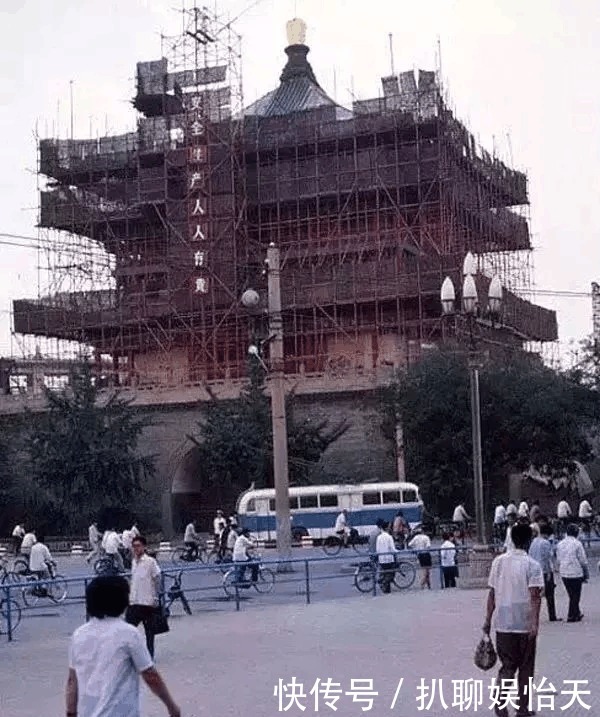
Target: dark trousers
[(192, 550), (516, 652), (573, 587), (449, 576), (17, 544), (142, 613), (549, 586), (386, 576)]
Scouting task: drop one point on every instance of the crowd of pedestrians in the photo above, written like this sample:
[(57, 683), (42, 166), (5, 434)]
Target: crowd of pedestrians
[(536, 548)]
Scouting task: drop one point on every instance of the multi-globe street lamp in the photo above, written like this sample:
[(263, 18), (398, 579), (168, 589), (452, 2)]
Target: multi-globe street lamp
[(471, 311)]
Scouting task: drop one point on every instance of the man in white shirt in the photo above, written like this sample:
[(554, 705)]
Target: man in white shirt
[(499, 522), (341, 526), (107, 656), (191, 540), (95, 540), (516, 583), (219, 524), (448, 561), (40, 559), (17, 536), (563, 513), (421, 543), (573, 569), (145, 588), (243, 556), (386, 557), (29, 540), (112, 543), (523, 509)]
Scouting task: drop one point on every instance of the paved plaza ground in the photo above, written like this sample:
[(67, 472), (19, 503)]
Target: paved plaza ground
[(228, 663)]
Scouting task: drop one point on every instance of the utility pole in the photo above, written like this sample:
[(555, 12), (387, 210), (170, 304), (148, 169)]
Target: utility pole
[(277, 386)]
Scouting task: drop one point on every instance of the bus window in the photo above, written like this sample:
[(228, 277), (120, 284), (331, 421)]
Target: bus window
[(409, 496), (371, 498), (294, 503), (271, 505), (328, 500), (390, 496), (309, 501), (251, 506)]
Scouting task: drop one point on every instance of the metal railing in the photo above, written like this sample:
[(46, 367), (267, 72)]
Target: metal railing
[(301, 573)]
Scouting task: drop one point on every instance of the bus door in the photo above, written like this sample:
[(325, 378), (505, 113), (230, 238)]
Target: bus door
[(262, 518), (355, 510)]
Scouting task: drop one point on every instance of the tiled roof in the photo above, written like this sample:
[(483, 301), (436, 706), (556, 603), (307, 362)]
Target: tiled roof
[(298, 91)]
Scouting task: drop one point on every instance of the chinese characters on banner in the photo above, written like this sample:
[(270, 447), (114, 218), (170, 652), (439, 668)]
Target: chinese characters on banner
[(197, 147), (472, 696)]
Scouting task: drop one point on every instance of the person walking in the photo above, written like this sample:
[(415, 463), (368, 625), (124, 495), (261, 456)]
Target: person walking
[(511, 509), (523, 509), (586, 515), (535, 513), (400, 529), (448, 561), (573, 570), (145, 588), (421, 543), (499, 522), (386, 557), (541, 550), (95, 540), (107, 657), (515, 584), (219, 524)]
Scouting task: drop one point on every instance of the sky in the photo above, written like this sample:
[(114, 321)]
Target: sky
[(522, 75)]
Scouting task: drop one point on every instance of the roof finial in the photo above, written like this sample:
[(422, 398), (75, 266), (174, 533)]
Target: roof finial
[(296, 31)]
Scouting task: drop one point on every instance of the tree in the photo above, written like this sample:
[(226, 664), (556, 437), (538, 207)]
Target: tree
[(236, 440), (83, 455), (529, 415)]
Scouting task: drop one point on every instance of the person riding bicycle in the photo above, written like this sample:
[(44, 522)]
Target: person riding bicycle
[(243, 557), (461, 519), (40, 560), (112, 544), (191, 540), (342, 529), (586, 514)]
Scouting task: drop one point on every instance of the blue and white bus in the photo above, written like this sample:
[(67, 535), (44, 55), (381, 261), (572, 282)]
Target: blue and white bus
[(314, 508)]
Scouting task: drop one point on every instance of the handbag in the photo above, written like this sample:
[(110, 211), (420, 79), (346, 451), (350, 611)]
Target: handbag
[(159, 624), (485, 653)]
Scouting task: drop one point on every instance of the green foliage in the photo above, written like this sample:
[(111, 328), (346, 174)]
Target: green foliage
[(236, 440), (529, 415), (82, 455)]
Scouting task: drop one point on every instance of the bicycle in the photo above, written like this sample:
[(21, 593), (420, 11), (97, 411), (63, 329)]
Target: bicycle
[(263, 584), (182, 554), (334, 543), (15, 615), (175, 592), (107, 565), (54, 588), (366, 574)]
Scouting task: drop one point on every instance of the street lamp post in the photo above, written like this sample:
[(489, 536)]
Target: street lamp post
[(470, 309), (276, 379)]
